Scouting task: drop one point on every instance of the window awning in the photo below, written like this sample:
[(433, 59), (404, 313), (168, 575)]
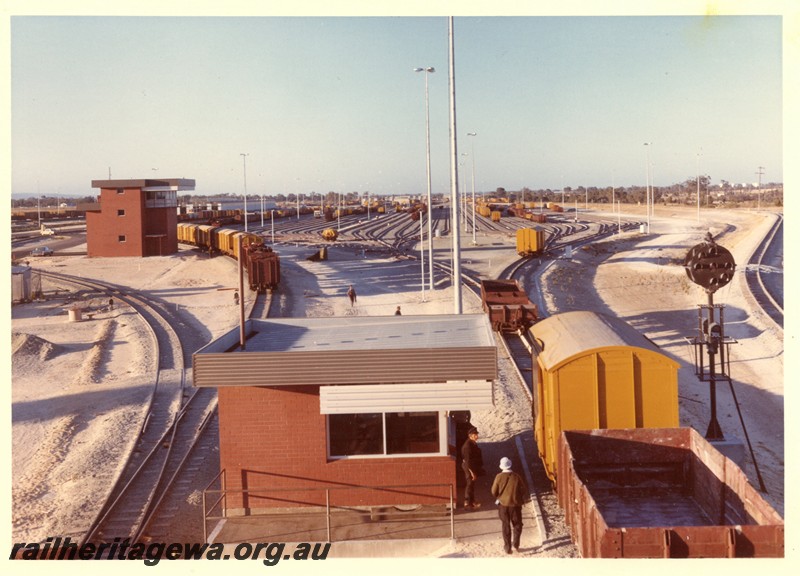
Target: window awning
[(435, 397)]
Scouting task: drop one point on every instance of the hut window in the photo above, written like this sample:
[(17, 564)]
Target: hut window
[(412, 433), (355, 434), (379, 434)]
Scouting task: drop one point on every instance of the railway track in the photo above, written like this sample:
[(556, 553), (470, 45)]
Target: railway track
[(175, 419), (766, 290), (197, 439)]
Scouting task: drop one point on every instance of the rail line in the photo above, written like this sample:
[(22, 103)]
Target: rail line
[(174, 420), (768, 297), (196, 439)]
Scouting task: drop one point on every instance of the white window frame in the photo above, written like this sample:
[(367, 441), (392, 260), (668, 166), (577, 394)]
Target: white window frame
[(443, 447)]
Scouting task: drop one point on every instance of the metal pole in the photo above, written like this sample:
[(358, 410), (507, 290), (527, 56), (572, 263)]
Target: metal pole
[(698, 187), (452, 515), (454, 178), (474, 221), (714, 432), (328, 512), (244, 167), (427, 71), (428, 172), (272, 221), (262, 210), (421, 258), (241, 296), (647, 184)]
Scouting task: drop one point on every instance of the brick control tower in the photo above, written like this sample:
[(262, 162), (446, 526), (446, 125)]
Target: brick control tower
[(134, 217)]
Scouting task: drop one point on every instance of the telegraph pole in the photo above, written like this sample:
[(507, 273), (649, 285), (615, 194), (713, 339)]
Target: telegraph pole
[(760, 173)]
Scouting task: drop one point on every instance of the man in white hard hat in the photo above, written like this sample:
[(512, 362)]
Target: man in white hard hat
[(509, 490)]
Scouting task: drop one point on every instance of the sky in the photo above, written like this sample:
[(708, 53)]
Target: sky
[(332, 102)]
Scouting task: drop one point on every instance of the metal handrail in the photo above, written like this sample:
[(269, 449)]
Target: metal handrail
[(224, 492), (221, 475)]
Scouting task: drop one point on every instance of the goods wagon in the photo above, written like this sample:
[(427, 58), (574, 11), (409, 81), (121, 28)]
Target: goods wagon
[(592, 371), (262, 275), (507, 305), (661, 493), (496, 214), (263, 267), (530, 241)]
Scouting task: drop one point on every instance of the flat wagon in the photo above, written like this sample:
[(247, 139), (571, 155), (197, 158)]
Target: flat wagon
[(507, 305), (661, 493)]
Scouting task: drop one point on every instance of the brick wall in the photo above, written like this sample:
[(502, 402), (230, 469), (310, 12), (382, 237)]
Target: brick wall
[(275, 438), (104, 228)]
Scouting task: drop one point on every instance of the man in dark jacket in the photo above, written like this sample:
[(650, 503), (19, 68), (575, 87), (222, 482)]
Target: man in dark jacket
[(509, 490), (472, 464)]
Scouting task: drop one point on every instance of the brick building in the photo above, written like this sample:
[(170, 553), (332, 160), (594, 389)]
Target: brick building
[(354, 411), (134, 217)]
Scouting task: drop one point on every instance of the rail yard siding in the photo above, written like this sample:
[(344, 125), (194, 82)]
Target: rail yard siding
[(275, 439)]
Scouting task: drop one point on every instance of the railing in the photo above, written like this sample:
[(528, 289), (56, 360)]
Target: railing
[(215, 505)]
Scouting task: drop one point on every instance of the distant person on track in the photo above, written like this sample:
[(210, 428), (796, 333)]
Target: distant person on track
[(236, 298), (509, 490), (111, 303), (472, 464), (397, 312), (351, 293)]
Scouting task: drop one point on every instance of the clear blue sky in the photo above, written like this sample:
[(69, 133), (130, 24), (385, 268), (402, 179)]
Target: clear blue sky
[(333, 103)]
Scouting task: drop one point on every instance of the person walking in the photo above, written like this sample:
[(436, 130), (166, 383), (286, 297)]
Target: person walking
[(397, 312), (351, 293), (509, 490), (472, 464)]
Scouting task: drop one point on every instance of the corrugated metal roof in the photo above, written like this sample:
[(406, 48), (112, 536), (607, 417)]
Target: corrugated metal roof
[(351, 350), (563, 336)]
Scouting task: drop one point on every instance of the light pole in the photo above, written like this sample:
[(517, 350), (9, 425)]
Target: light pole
[(612, 191), (421, 260), (698, 186), (464, 195), (272, 223), (472, 142), (647, 185), (244, 171), (427, 70), (760, 173), (457, 303), (262, 210)]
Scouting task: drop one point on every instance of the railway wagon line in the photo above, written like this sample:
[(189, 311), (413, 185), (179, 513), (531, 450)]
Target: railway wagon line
[(260, 261)]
